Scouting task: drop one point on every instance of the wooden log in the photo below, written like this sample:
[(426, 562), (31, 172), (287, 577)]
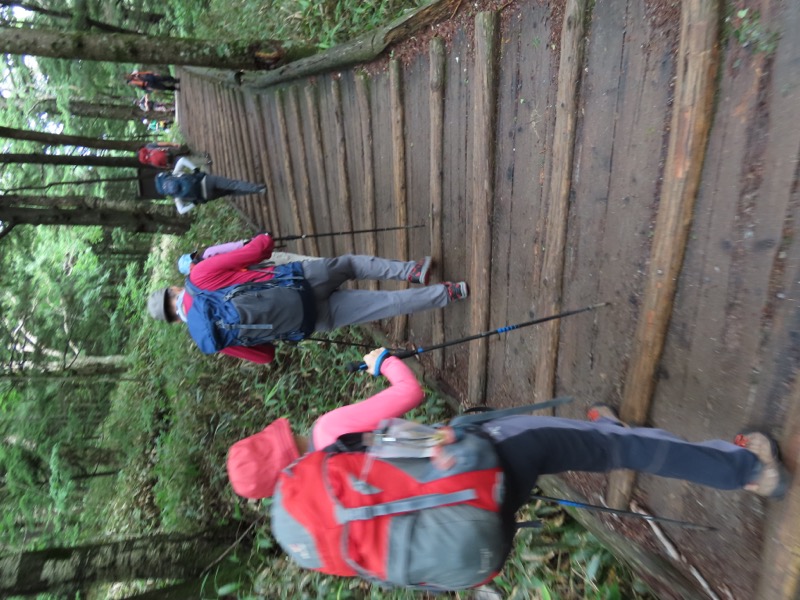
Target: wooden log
[(345, 203), (400, 189), (436, 58), (243, 152), (555, 233), (288, 169), (483, 159), (304, 197), (241, 146), (362, 100), (265, 148), (323, 216), (258, 149), (697, 61), (227, 121)]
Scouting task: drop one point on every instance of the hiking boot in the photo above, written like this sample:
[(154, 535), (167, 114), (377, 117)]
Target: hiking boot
[(421, 272), (604, 412), (456, 291), (772, 480)]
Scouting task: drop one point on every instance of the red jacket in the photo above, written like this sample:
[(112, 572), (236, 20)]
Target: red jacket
[(228, 269)]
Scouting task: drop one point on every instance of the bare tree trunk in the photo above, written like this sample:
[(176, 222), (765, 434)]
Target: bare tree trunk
[(178, 591), (76, 161), (68, 16), (80, 202), (132, 220), (60, 139), (95, 110), (119, 47)]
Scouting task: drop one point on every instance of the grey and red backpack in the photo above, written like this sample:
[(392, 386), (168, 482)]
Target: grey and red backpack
[(398, 521)]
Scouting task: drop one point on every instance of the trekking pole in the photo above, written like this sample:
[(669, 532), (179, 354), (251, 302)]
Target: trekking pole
[(355, 366), (340, 342), (624, 513), (305, 236)]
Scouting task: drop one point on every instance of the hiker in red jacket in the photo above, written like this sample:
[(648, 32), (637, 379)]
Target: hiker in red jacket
[(315, 303), (346, 510)]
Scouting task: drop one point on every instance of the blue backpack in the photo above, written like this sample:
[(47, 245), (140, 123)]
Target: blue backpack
[(250, 314), (181, 186)]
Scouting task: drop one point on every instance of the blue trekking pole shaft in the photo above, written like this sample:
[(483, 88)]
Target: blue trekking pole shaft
[(305, 236), (355, 366)]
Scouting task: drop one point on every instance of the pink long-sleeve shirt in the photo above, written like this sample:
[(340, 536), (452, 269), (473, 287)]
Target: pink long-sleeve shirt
[(403, 395)]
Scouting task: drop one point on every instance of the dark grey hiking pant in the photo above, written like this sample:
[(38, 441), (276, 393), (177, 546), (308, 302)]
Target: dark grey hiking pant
[(215, 186), (530, 446), (339, 308)]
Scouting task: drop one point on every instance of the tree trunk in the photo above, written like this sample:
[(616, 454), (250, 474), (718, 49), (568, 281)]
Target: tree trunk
[(80, 367), (178, 591), (80, 202), (76, 161), (134, 220), (118, 112), (158, 556), (56, 14), (119, 47), (60, 139)]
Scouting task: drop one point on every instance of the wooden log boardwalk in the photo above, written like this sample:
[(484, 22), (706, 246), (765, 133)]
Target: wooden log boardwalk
[(563, 154)]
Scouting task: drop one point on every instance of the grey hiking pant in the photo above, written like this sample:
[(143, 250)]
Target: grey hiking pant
[(339, 308), (530, 446), (215, 186)]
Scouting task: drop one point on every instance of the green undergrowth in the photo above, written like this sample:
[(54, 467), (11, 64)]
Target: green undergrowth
[(307, 22)]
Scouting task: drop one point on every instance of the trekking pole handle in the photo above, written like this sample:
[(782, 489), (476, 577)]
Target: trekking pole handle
[(355, 366)]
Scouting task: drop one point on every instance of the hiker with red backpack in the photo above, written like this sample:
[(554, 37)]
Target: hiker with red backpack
[(232, 308), (189, 186), (434, 508), (163, 155)]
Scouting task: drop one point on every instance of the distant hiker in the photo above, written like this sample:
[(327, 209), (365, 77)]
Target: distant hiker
[(155, 126), (189, 186), (412, 506), (150, 81), (148, 105), (187, 261), (231, 309)]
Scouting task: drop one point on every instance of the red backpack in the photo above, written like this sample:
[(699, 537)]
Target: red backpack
[(156, 157), (397, 521)]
